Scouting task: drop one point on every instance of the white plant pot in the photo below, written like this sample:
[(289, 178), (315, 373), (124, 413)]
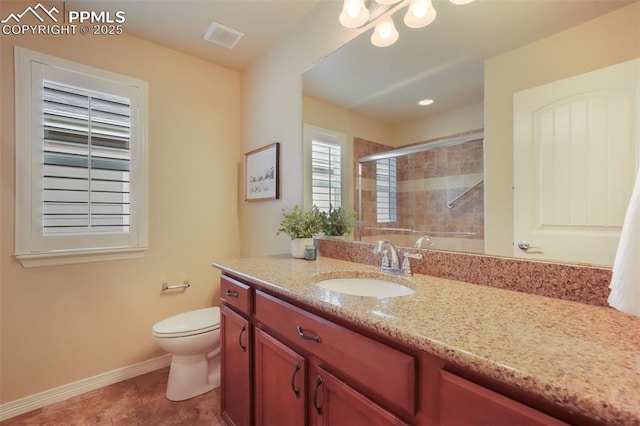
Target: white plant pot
[(298, 245)]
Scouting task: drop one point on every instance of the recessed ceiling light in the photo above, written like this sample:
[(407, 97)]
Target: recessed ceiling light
[(425, 102)]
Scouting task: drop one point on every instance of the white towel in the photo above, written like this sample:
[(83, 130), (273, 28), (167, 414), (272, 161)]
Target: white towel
[(625, 282)]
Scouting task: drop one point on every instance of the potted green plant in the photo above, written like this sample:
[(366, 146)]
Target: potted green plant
[(337, 222), (301, 225)]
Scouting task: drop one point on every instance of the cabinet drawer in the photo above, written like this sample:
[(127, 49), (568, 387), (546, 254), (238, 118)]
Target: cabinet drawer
[(384, 373), (465, 403), (236, 294)]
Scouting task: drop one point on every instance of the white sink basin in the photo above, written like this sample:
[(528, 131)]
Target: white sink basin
[(365, 287)]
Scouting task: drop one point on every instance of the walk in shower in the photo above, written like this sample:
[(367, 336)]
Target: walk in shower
[(432, 189)]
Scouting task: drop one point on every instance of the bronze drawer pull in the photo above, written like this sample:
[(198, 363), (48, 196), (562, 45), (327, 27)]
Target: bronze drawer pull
[(293, 380), (244, 348), (232, 293), (315, 395), (316, 339)]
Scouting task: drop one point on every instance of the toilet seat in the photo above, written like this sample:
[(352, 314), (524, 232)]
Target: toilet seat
[(188, 323)]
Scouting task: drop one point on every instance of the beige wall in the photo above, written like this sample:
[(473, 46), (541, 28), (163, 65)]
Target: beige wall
[(321, 114), (449, 123), (330, 117), (610, 39), (272, 112), (65, 323)]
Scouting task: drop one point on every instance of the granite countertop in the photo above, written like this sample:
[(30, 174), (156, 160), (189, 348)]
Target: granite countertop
[(582, 357)]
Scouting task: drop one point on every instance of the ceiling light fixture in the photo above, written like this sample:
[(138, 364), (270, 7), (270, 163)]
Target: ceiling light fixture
[(354, 14), (420, 14), (425, 102), (357, 13), (385, 33)]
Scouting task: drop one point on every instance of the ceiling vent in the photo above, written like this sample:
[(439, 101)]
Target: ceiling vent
[(222, 36)]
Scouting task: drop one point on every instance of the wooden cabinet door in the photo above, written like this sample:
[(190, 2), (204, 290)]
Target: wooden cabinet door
[(465, 403), (385, 374), (280, 383), (235, 368), (333, 402)]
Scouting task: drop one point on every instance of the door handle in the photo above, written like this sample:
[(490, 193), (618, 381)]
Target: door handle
[(524, 245)]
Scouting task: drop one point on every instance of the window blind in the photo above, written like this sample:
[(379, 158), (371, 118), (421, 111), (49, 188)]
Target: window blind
[(86, 161), (326, 179), (386, 190)]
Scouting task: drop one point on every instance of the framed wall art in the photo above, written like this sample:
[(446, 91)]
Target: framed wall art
[(262, 173)]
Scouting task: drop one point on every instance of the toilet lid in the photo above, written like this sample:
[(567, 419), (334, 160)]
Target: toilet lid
[(193, 322)]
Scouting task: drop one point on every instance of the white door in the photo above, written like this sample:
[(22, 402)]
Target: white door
[(576, 150)]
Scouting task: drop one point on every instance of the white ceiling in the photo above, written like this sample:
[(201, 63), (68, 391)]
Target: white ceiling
[(180, 24), (443, 61)]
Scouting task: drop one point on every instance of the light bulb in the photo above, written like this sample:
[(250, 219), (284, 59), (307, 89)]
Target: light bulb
[(460, 1), (352, 8), (354, 14), (385, 33), (419, 8), (420, 14)]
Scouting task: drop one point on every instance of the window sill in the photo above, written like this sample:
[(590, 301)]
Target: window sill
[(69, 257)]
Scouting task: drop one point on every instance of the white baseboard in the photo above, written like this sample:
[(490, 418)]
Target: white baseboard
[(42, 399)]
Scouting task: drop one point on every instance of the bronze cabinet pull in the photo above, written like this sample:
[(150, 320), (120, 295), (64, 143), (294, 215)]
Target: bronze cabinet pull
[(315, 395), (293, 380), (316, 339), (244, 348)]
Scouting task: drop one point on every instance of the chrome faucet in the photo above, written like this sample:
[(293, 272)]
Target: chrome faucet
[(406, 265), (394, 263), (425, 239), (393, 266)]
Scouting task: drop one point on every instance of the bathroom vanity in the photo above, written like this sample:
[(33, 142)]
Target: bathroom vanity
[(450, 353)]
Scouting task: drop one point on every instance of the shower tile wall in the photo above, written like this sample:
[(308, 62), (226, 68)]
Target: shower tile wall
[(426, 182)]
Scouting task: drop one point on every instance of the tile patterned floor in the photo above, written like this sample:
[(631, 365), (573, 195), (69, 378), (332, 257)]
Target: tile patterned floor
[(135, 402)]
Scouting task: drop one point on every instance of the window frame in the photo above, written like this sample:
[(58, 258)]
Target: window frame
[(391, 211), (329, 137), (32, 247)]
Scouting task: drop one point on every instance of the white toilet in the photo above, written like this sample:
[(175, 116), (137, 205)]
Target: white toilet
[(193, 339)]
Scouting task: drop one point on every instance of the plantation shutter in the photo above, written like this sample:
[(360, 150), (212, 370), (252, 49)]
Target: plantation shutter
[(386, 190), (326, 180), (87, 156)]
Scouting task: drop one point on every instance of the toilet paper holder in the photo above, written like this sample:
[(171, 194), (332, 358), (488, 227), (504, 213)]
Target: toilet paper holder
[(185, 285)]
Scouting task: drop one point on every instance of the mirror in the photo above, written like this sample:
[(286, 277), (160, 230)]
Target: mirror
[(471, 61)]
